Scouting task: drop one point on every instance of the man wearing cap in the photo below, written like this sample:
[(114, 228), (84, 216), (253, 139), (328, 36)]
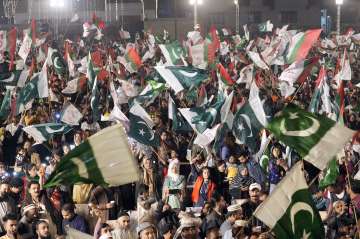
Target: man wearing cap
[(146, 230), (237, 231), (250, 206), (124, 231), (234, 213), (28, 219), (7, 204)]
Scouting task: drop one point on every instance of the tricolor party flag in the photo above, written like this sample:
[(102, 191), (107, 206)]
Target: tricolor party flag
[(301, 44)]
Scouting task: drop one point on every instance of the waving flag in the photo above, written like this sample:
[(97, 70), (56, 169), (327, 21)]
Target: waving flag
[(301, 44), (173, 53), (310, 135), (43, 132), (289, 206), (103, 159), (133, 60), (224, 75)]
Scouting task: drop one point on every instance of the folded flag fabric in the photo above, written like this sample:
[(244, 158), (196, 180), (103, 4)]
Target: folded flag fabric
[(5, 105), (312, 136), (266, 26), (103, 159), (44, 132), (331, 174), (289, 206), (71, 115), (178, 121), (182, 77)]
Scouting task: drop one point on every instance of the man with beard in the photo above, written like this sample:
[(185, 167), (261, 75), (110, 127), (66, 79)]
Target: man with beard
[(7, 204), (42, 230), (73, 220), (124, 231), (28, 220), (10, 225), (250, 206)]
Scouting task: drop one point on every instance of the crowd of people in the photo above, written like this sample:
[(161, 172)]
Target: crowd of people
[(185, 190)]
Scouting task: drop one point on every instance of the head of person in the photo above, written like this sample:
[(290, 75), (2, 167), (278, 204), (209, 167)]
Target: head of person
[(31, 170), (30, 212), (229, 140), (2, 168), (213, 232), (10, 224), (221, 167), (354, 190), (276, 150), (244, 172), (243, 157), (166, 229), (42, 230), (66, 149), (188, 227), (205, 173), (146, 230), (206, 209), (105, 231), (144, 190), (254, 192), (174, 154), (147, 163), (77, 138), (68, 211), (164, 135), (174, 168), (234, 212), (218, 201), (16, 185), (339, 207), (123, 220), (4, 186), (34, 189)]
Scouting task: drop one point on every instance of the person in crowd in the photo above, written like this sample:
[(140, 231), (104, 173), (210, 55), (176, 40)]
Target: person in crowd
[(124, 230), (203, 189), (73, 220), (16, 189), (26, 224), (146, 230), (10, 226), (151, 178), (189, 227), (277, 166), (7, 204), (146, 205), (239, 188), (250, 206), (234, 212), (174, 186), (103, 231)]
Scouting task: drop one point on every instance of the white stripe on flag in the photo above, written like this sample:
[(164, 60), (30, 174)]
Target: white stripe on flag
[(166, 54), (171, 108), (170, 78), (274, 206), (34, 133), (329, 145), (114, 157), (256, 105)]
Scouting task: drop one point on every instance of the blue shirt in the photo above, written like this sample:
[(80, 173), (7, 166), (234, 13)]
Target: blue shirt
[(77, 222)]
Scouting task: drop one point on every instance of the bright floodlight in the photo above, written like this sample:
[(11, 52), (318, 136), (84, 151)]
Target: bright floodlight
[(339, 2), (57, 3), (199, 2), (236, 2)]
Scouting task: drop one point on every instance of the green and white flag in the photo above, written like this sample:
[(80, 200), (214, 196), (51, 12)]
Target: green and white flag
[(290, 211), (25, 47), (5, 108), (94, 101), (44, 132), (182, 77), (173, 53), (103, 159), (142, 132), (178, 121), (36, 88), (266, 26), (10, 78), (150, 92), (316, 138), (208, 115), (250, 119), (90, 72), (331, 174), (56, 59)]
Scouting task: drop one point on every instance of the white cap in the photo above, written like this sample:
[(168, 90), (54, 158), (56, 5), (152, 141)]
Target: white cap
[(255, 186)]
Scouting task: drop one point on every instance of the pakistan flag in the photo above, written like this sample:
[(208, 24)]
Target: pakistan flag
[(43, 132), (315, 137), (141, 132), (289, 211), (173, 53)]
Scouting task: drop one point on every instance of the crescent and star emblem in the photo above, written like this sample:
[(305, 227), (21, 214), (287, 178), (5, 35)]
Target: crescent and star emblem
[(83, 172), (52, 131), (297, 207), (300, 133), (188, 74), (142, 132)]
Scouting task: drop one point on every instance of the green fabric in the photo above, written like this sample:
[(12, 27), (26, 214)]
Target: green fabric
[(67, 171), (331, 174), (140, 131)]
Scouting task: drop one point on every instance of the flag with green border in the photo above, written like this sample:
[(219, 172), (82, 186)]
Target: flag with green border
[(44, 132)]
